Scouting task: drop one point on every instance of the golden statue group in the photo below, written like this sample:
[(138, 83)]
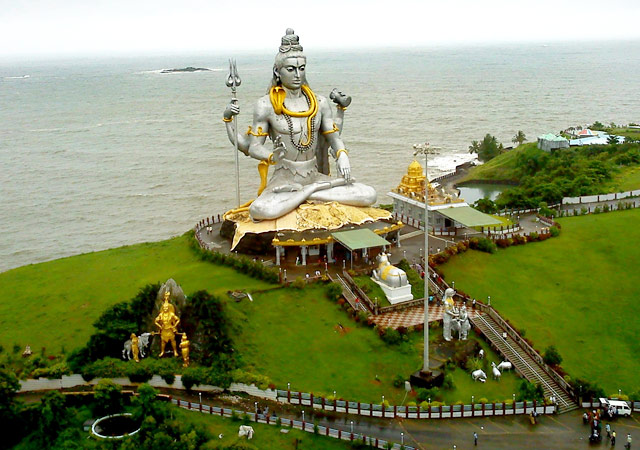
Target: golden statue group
[(167, 322)]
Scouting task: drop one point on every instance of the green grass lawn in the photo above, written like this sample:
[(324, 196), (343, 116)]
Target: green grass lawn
[(291, 336), (628, 179), (501, 168), (374, 290), (294, 336), (578, 291), (54, 304), (266, 437)]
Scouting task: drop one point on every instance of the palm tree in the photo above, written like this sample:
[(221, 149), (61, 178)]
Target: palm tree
[(519, 138), (474, 147), (611, 139)]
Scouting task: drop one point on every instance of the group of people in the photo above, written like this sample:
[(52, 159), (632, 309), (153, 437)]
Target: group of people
[(593, 418)]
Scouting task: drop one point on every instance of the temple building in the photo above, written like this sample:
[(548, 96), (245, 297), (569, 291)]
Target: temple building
[(447, 214)]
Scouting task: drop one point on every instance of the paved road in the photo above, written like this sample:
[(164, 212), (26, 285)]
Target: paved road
[(565, 431)]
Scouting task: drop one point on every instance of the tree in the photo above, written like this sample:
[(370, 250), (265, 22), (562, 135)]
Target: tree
[(486, 206), (108, 397), (552, 356), (519, 138), (612, 139), (488, 149), (474, 147)]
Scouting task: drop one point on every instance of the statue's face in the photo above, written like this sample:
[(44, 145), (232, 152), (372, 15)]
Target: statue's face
[(292, 72)]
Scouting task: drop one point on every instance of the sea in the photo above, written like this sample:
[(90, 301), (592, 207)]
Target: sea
[(100, 152)]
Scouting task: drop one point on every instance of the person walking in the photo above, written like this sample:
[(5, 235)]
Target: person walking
[(608, 428), (475, 438), (613, 438), (628, 444)]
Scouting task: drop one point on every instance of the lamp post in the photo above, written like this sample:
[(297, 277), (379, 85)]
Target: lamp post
[(200, 397), (352, 428), (401, 438), (425, 149)]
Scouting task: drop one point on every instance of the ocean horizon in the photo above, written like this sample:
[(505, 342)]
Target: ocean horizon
[(107, 151)]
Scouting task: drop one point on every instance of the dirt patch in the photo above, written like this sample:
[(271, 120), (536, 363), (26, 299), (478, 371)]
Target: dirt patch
[(376, 382), (342, 329)]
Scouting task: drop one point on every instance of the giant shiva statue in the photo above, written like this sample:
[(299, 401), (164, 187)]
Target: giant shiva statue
[(297, 121)]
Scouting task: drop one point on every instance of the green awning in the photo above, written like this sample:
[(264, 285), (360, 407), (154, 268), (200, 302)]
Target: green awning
[(357, 239), (469, 217)]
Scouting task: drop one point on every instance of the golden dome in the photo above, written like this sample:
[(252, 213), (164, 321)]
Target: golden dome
[(415, 169), (412, 183)]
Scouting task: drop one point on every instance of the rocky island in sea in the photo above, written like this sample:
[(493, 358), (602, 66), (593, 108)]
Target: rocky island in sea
[(186, 69)]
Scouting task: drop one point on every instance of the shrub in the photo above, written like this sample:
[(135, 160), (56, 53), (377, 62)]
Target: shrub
[(487, 245), (391, 336), (298, 283), (398, 381), (448, 383), (362, 317), (193, 376), (554, 231), (533, 236), (551, 356), (138, 373), (333, 291)]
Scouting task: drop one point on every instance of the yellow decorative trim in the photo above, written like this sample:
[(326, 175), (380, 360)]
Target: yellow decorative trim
[(340, 151), (224, 119), (263, 171), (260, 133), (335, 128), (341, 108)]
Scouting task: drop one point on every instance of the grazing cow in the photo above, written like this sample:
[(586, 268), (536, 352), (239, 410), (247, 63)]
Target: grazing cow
[(479, 375), (505, 365), (496, 372)]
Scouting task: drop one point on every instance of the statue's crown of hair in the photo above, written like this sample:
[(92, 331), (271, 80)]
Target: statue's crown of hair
[(290, 41)]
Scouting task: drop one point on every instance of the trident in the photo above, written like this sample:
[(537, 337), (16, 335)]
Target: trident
[(233, 81)]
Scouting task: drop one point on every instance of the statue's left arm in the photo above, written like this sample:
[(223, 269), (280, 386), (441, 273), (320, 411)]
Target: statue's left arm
[(329, 129)]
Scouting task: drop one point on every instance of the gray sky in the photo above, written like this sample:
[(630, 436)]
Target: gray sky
[(66, 27)]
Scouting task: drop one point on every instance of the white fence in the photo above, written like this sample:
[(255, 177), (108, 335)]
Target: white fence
[(599, 198), (306, 399)]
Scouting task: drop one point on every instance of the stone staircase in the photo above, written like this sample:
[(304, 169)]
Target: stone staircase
[(529, 367)]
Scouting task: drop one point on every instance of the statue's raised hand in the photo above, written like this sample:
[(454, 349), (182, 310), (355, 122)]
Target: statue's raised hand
[(279, 150), (232, 109), (344, 166)]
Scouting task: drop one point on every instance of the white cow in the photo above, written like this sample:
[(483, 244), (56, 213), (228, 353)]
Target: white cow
[(481, 354), (143, 344), (496, 372), (245, 430), (505, 365), (479, 375)]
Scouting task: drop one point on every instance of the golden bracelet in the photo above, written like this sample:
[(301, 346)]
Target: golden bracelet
[(224, 119), (260, 133), (340, 151), (333, 130)]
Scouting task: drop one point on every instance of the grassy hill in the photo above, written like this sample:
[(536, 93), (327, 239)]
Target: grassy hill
[(548, 177), (578, 291), (290, 335)]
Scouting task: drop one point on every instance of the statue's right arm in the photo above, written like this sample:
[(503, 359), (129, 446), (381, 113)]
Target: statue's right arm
[(261, 115), (232, 110)]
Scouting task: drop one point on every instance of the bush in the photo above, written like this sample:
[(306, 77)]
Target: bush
[(193, 376), (333, 291), (448, 382), (391, 336), (555, 231), (398, 381), (533, 236), (298, 283), (551, 356), (487, 245), (138, 373)]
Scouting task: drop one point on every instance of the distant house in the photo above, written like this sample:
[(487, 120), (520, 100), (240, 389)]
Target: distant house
[(550, 141), (599, 139)]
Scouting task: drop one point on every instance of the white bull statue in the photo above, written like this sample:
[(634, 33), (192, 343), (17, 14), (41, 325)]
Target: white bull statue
[(505, 365), (143, 344), (496, 372), (479, 375), (389, 274)]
